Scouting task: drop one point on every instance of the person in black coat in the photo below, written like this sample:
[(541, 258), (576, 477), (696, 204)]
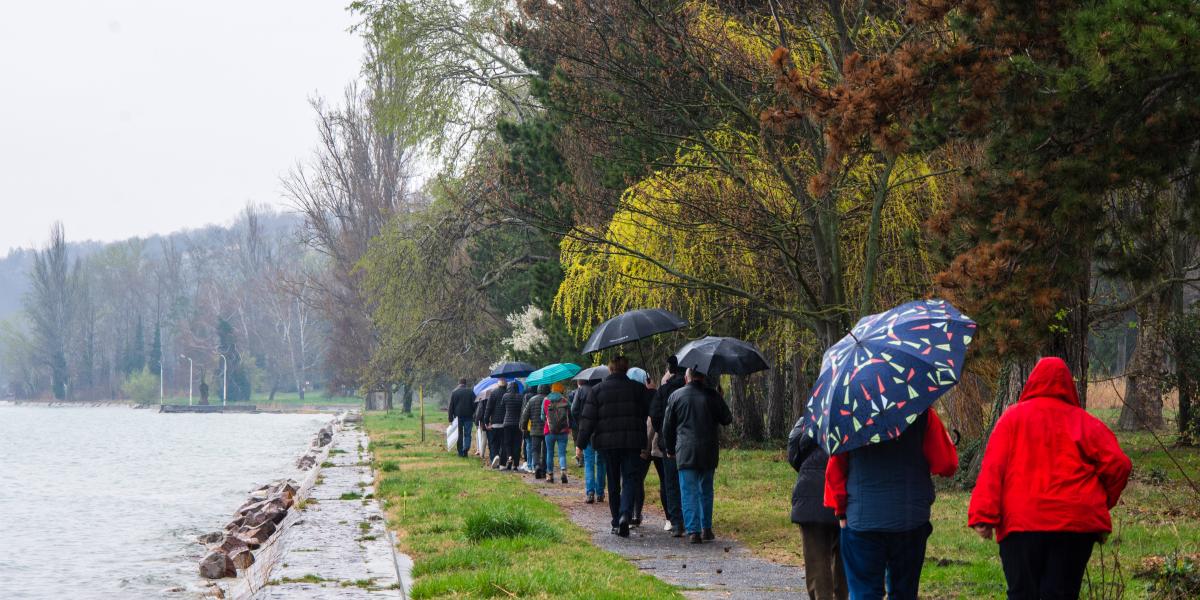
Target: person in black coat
[(510, 408), (462, 407), (668, 473), (691, 429), (494, 421), (819, 530), (613, 421)]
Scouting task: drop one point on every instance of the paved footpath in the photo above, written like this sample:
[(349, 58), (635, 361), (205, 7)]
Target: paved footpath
[(722, 568), (339, 546)]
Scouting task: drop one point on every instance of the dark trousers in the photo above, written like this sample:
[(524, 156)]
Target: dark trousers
[(1045, 564), (537, 455), (623, 483), (464, 436), (668, 490), (510, 446), (823, 574), (871, 558), (639, 499), (495, 438)]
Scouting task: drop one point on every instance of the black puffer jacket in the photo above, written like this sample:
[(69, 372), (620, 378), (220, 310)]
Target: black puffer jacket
[(808, 497), (532, 413), (577, 399), (614, 415), (658, 406), (694, 412), (495, 407), (512, 403)]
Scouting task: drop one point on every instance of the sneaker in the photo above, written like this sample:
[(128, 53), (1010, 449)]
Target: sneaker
[(549, 476), (677, 532), (564, 477), (599, 497), (694, 538), (708, 535), (615, 531), (637, 521), (591, 498), (495, 462), (623, 527), (667, 525)]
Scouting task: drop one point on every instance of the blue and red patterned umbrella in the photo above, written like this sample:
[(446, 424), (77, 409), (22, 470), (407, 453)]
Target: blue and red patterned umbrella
[(891, 367)]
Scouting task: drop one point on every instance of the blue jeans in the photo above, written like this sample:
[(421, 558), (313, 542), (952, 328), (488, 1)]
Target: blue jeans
[(561, 440), (529, 462), (624, 465), (464, 436), (696, 498), (594, 471), (871, 558)]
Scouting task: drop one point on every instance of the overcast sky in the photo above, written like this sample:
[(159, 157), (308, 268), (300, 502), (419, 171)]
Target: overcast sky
[(125, 118)]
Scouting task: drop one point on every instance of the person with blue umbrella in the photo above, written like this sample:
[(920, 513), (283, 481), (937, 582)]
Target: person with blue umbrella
[(871, 410)]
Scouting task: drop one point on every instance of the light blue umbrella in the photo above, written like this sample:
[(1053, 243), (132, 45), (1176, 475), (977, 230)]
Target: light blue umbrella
[(488, 382), (552, 373)]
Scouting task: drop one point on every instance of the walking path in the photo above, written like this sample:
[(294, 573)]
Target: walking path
[(719, 569), (339, 546)]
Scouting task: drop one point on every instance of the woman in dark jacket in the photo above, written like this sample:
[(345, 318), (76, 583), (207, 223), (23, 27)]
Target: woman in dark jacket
[(819, 530), (511, 405)]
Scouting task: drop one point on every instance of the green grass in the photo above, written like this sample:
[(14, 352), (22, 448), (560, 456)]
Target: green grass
[(478, 533), (350, 496)]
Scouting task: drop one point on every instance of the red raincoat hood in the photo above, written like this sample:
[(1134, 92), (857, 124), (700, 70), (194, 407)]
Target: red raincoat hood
[(1051, 379)]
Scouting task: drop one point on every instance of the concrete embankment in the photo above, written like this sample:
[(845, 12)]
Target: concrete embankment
[(335, 542)]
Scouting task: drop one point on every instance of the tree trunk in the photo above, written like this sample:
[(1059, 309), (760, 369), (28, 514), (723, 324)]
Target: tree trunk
[(1008, 390), (801, 385), (408, 399), (747, 414), (777, 405), (1143, 407)]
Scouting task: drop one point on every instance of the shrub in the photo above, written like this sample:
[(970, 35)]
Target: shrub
[(141, 387)]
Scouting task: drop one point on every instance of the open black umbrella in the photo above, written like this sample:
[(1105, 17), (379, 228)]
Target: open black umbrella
[(721, 355), (592, 374), (511, 370), (632, 326)]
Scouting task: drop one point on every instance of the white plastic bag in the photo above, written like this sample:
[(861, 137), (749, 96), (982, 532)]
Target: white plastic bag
[(452, 436)]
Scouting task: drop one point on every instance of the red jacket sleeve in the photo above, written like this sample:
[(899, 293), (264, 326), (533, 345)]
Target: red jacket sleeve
[(836, 471), (939, 449), (985, 504), (1112, 465)]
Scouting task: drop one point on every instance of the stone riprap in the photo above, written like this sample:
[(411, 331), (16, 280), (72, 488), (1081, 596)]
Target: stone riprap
[(337, 544)]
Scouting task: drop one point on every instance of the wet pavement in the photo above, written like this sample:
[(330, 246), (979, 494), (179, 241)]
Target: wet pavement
[(722, 568)]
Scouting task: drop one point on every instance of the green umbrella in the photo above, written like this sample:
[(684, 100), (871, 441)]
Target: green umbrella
[(552, 373)]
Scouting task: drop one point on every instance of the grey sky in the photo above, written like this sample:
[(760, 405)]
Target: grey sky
[(126, 118)]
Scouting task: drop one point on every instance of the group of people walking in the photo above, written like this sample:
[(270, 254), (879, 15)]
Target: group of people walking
[(620, 425), (1050, 474)]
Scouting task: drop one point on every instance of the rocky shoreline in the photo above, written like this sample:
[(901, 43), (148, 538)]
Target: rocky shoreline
[(234, 551)]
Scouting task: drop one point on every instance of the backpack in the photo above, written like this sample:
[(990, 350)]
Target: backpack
[(558, 416)]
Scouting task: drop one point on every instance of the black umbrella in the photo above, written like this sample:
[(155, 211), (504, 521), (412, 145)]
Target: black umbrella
[(632, 326), (721, 355), (511, 370), (592, 374)]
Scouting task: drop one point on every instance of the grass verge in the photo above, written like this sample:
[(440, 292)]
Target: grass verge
[(475, 533)]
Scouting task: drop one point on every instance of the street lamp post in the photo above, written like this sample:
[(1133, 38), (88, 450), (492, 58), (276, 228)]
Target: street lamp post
[(224, 378), (160, 379), (189, 379)]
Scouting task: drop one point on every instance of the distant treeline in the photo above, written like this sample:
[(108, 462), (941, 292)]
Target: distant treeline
[(102, 321)]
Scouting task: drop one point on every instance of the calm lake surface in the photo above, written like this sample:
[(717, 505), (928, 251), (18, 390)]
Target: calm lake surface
[(107, 502)]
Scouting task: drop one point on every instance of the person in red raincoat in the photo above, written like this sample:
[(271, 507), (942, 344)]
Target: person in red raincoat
[(1051, 473)]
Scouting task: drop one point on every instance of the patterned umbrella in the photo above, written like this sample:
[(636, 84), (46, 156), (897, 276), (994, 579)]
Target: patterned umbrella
[(552, 373), (891, 367)]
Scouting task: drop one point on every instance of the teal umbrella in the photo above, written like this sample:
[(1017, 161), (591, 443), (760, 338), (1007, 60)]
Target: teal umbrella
[(552, 373)]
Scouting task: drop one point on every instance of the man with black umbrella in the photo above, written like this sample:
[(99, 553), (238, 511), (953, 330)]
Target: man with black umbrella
[(668, 476), (494, 421), (614, 423), (462, 407), (692, 436)]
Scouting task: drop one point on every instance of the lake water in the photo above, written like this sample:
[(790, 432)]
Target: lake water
[(107, 502)]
